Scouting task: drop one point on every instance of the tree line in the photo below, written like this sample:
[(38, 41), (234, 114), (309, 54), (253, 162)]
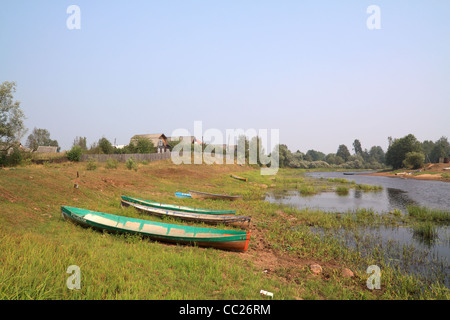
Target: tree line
[(405, 152)]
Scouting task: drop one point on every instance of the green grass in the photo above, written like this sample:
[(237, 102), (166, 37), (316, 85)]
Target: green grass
[(342, 190), (423, 213), (37, 245)]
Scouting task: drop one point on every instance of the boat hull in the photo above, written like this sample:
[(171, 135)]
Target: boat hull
[(173, 207), (239, 178), (241, 221), (205, 195), (164, 232), (182, 195)]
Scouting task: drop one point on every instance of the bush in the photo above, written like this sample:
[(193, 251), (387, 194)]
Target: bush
[(112, 164), (131, 164), (91, 165), (75, 153), (13, 159), (414, 160)]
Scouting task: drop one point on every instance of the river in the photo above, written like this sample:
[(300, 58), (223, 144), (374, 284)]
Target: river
[(430, 257)]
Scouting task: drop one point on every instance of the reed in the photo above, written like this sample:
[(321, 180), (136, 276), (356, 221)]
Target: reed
[(423, 213)]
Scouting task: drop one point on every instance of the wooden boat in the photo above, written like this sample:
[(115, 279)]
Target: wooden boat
[(175, 207), (241, 221), (238, 178), (348, 173), (205, 195), (205, 237), (182, 195)]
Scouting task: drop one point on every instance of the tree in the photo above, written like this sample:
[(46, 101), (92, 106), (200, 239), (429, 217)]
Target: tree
[(397, 151), (80, 141), (314, 155), (12, 127), (144, 145), (75, 153), (441, 149), (377, 154), (40, 137), (105, 146), (343, 152), (357, 147), (284, 156), (415, 160)]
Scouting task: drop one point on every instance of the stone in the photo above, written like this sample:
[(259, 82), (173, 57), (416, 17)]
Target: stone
[(347, 273), (315, 269)]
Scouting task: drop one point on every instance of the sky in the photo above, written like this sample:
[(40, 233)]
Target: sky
[(313, 70)]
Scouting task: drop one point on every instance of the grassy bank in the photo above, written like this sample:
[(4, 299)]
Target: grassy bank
[(37, 245)]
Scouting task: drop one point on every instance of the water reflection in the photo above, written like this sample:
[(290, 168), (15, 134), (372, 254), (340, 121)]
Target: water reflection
[(380, 201)]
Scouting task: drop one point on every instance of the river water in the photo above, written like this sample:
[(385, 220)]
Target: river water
[(397, 193)]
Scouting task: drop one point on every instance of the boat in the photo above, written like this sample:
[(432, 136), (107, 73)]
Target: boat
[(241, 221), (348, 173), (182, 195), (205, 195), (175, 207), (235, 240), (238, 178)]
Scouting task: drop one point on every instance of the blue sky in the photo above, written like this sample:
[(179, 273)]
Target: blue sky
[(311, 69)]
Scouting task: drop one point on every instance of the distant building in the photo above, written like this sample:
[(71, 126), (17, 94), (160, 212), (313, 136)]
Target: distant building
[(46, 149), (159, 141), (191, 139), (9, 147)]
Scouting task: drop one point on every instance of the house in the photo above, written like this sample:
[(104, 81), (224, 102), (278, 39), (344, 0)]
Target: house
[(159, 141), (190, 139), (9, 147), (46, 149)]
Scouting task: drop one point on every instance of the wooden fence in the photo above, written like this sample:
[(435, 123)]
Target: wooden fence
[(124, 157)]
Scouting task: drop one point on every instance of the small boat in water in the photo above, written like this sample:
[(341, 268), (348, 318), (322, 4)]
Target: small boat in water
[(205, 237), (238, 178), (242, 221), (205, 195), (175, 207), (348, 173)]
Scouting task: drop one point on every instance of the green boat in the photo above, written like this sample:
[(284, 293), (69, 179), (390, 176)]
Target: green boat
[(230, 219), (175, 207), (172, 233)]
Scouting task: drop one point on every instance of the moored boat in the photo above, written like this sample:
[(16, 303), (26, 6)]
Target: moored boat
[(205, 195), (182, 195), (190, 216), (175, 207), (238, 178), (205, 237)]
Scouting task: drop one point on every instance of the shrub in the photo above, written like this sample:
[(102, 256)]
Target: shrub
[(414, 160), (13, 159), (75, 153), (91, 165), (112, 164), (131, 164)]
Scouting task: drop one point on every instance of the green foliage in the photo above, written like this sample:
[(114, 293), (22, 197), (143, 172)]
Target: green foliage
[(91, 164), (40, 137), (397, 151), (75, 153), (12, 127), (11, 159), (80, 141), (414, 160), (343, 152), (145, 146), (131, 164), (105, 146), (112, 164), (440, 149)]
